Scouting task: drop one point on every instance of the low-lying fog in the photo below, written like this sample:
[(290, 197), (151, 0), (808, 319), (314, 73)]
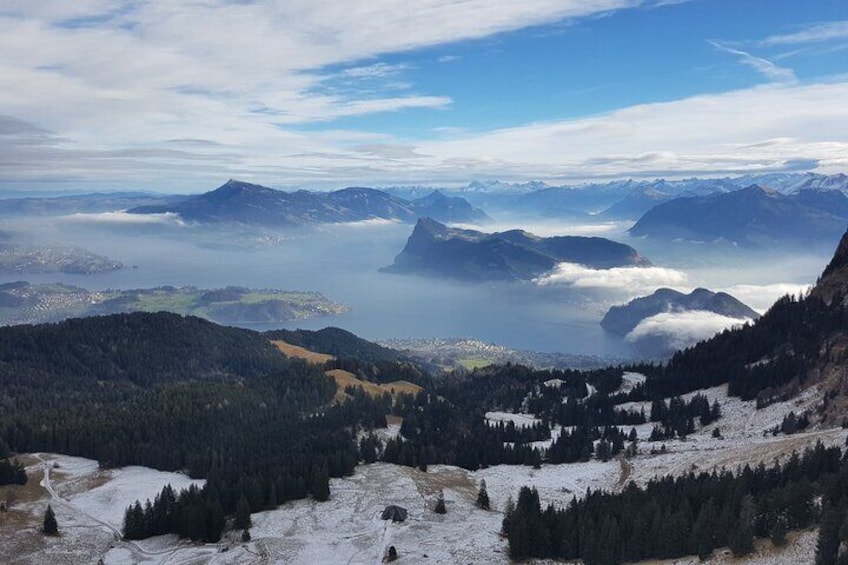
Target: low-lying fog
[(559, 312)]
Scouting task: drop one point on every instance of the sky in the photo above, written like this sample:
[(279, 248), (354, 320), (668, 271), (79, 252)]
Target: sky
[(181, 95)]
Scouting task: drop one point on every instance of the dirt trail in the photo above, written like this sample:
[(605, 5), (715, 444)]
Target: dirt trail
[(626, 471), (164, 556)]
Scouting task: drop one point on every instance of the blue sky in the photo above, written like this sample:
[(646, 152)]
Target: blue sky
[(180, 96)]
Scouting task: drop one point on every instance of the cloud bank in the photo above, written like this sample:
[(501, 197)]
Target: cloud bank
[(124, 218), (634, 281), (681, 329)]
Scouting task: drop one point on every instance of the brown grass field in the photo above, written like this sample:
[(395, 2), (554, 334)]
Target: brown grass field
[(290, 350), (345, 379)]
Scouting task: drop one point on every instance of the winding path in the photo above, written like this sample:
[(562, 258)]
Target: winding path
[(164, 555)]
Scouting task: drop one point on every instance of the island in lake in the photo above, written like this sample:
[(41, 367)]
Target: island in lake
[(25, 303)]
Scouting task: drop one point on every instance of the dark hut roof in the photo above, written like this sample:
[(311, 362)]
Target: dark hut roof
[(394, 513)]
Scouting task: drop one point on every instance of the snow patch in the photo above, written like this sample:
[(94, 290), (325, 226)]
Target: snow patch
[(520, 420)]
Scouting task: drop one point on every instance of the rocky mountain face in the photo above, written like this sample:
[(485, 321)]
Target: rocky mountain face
[(623, 319), (753, 216), (253, 204), (434, 249)]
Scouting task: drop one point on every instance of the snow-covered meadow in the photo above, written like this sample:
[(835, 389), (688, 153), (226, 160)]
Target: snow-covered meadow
[(347, 529)]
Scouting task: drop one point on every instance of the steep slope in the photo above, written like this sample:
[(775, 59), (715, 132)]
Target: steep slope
[(623, 319), (753, 216), (253, 204), (799, 342), (434, 249)]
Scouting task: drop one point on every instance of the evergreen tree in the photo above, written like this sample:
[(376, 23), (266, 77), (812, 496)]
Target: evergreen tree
[(320, 487), (440, 504), (827, 546), (242, 520), (51, 527), (509, 509), (777, 532), (703, 532), (12, 473), (245, 535), (483, 496), (742, 538)]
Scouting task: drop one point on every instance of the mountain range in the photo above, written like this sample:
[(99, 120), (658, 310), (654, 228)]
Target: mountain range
[(624, 199), (434, 249), (739, 437), (752, 216), (253, 204)]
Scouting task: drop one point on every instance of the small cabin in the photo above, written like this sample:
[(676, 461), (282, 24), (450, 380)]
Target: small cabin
[(394, 513)]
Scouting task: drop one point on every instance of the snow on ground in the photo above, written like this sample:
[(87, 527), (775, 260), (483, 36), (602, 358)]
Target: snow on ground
[(391, 431), (546, 443), (520, 420), (348, 528), (123, 487), (556, 483), (89, 504), (745, 436), (630, 380), (800, 548)]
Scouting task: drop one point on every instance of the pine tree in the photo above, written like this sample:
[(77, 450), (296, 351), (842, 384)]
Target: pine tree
[(742, 538), (703, 532), (245, 535), (440, 505), (777, 532), (51, 527), (827, 546), (242, 520), (320, 487), (509, 510), (483, 496)]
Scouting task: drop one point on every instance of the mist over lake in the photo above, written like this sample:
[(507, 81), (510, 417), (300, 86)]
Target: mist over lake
[(342, 261)]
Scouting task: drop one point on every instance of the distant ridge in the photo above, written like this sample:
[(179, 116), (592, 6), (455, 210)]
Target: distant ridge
[(752, 216), (253, 204)]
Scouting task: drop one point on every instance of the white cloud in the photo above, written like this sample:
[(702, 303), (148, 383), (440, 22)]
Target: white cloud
[(708, 134), (812, 34), (682, 329), (763, 66), (635, 281), (123, 218), (761, 297), (377, 70), (115, 81), (365, 224)]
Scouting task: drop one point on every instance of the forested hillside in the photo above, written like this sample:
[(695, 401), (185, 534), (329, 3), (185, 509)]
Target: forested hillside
[(178, 393)]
